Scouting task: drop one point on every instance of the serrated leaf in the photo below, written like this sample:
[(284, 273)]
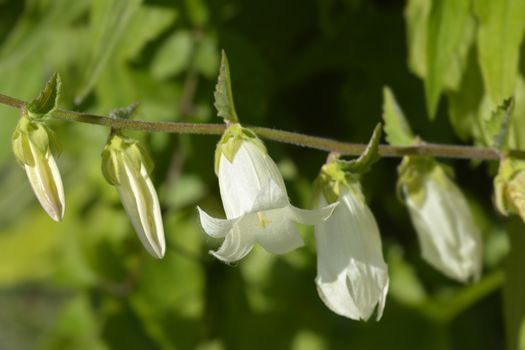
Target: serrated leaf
[(501, 30), (397, 130), (109, 166), (174, 56), (447, 23), (47, 100), (223, 93), (496, 128), (370, 155), (514, 285)]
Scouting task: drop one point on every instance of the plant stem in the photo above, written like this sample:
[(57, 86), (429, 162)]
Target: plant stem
[(320, 143)]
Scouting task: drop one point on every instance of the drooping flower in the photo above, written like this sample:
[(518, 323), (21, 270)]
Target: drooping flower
[(448, 237), (34, 144), (255, 200), (509, 187), (352, 276), (127, 166)]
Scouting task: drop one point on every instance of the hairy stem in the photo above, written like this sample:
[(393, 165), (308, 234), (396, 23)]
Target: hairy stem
[(320, 143)]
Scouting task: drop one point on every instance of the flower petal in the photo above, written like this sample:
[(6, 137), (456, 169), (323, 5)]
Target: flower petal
[(313, 216), (46, 182), (449, 240), (251, 182), (216, 228), (352, 277), (141, 203), (275, 231), (237, 244)]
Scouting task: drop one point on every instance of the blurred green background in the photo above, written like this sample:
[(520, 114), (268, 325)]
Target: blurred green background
[(316, 67)]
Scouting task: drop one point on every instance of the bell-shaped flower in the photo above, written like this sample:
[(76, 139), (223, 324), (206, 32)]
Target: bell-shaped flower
[(352, 276), (509, 187), (34, 144), (255, 200), (127, 166), (448, 237)]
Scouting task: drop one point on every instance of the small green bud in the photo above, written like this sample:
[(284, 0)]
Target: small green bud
[(127, 166), (33, 148)]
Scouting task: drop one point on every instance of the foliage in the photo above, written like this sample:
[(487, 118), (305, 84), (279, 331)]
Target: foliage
[(318, 67)]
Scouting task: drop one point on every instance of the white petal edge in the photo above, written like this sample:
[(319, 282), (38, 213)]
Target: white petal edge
[(214, 227), (311, 216), (237, 244)]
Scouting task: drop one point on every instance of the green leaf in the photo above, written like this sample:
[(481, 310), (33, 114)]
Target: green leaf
[(416, 15), (447, 43), (174, 56), (47, 100), (370, 155), (147, 24), (206, 59), (501, 29), (109, 22), (514, 286), (496, 127), (397, 130), (463, 104), (223, 93)]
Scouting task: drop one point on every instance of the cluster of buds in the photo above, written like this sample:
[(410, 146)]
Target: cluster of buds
[(124, 164)]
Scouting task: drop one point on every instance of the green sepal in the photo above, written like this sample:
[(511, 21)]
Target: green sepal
[(231, 141), (370, 155), (509, 187), (413, 171), (110, 168), (223, 93), (47, 100), (54, 145), (38, 134), (397, 130), (123, 149), (334, 180), (146, 159)]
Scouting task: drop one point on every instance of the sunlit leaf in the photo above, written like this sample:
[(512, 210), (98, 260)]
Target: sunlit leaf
[(501, 30), (108, 22), (397, 130), (173, 56), (448, 21)]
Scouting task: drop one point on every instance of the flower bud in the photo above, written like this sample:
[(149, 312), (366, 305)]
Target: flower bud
[(126, 166), (448, 237), (33, 145), (352, 276), (509, 187)]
